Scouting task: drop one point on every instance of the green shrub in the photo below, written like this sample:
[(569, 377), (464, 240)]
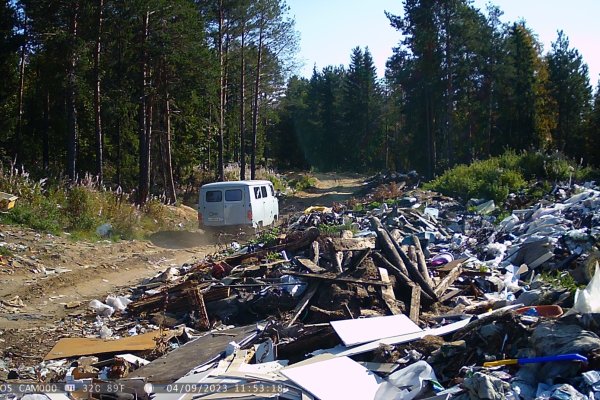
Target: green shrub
[(496, 177), (81, 209), (303, 182), (335, 230), (268, 238)]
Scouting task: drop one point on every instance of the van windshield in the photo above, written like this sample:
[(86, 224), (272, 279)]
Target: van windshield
[(214, 196)]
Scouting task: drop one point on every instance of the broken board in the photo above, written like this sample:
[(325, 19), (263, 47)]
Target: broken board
[(177, 363)]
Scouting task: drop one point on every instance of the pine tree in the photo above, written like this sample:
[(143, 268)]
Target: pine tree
[(570, 89)]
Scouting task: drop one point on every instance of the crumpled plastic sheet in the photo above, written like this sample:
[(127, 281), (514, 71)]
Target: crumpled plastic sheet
[(558, 392), (409, 382), (482, 386)]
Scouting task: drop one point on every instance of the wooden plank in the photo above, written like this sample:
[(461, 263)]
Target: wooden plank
[(397, 252), (314, 252), (453, 292), (448, 280), (345, 244), (310, 265), (400, 277), (304, 302), (451, 265), (422, 265), (335, 278), (304, 240), (197, 298), (415, 303), (359, 259), (388, 293)]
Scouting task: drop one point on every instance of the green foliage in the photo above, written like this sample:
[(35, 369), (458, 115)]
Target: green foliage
[(336, 230), (80, 209), (561, 279), (496, 177), (58, 207), (303, 182), (268, 238), (5, 251), (279, 183)]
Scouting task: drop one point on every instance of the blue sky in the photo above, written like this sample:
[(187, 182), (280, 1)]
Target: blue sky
[(329, 29)]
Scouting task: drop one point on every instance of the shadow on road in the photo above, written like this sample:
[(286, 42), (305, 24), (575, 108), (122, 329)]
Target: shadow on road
[(182, 239)]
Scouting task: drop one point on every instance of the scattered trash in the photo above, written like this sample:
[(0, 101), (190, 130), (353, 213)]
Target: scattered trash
[(422, 294), (104, 230)]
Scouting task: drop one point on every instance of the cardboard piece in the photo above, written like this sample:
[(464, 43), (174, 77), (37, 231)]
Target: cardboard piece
[(75, 347)]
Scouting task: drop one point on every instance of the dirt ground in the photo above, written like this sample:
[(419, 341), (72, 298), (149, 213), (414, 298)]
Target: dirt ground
[(49, 279), (330, 188)]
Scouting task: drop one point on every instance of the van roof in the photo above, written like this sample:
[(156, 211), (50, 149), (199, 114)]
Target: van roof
[(235, 183)]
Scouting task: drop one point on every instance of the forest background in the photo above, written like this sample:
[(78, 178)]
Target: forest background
[(155, 97)]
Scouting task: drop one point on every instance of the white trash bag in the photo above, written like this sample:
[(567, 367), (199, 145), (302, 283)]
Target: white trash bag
[(587, 301)]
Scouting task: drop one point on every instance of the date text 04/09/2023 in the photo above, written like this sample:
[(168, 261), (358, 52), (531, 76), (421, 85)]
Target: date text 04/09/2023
[(215, 388)]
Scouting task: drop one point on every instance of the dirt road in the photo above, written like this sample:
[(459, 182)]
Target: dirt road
[(330, 188)]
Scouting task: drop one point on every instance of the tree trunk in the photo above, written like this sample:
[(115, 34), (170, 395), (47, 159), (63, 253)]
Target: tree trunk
[(97, 96), (255, 110), (242, 119), (448, 126), (143, 120), (70, 99), (19, 155), (119, 153), (221, 165), (169, 181), (46, 134)]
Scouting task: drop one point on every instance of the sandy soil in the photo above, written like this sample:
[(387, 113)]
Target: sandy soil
[(55, 277)]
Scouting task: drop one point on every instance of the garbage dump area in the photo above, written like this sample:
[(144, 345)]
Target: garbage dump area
[(417, 298)]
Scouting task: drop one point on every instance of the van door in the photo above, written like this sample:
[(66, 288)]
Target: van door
[(212, 207), (235, 207), (258, 206)]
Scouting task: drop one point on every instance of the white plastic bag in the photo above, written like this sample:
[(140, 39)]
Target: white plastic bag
[(101, 309), (587, 301), (119, 303)]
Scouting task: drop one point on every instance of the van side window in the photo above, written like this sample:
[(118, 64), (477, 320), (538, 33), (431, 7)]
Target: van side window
[(272, 191), (263, 190), (257, 193), (214, 196), (233, 195)]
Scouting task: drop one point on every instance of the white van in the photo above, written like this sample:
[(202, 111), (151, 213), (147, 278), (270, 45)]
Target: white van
[(237, 203)]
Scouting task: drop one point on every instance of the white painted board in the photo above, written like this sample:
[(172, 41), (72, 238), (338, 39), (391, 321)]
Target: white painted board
[(334, 379), (364, 330)]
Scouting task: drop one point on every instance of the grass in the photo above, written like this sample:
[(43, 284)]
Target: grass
[(561, 279), (336, 230), (268, 238), (5, 251), (56, 207)]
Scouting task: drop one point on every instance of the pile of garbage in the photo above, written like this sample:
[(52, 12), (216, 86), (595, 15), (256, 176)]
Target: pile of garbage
[(416, 299)]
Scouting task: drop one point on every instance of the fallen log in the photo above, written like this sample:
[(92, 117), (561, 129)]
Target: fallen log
[(392, 249), (421, 260), (400, 277)]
